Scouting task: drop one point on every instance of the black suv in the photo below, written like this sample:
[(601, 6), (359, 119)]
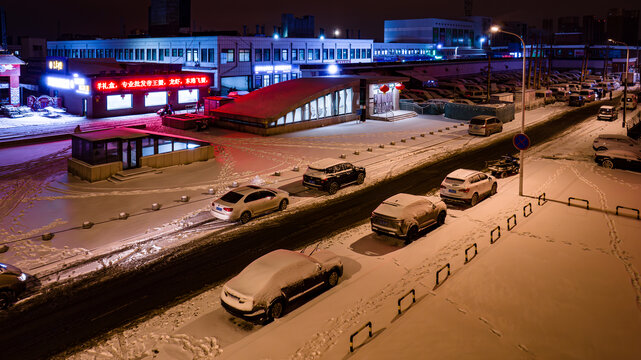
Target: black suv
[(331, 174)]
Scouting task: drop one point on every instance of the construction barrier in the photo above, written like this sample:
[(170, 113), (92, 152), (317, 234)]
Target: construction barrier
[(526, 214), (439, 271), (413, 292), (587, 203), (467, 259), (542, 199), (351, 338), (508, 222), (492, 239), (627, 208)]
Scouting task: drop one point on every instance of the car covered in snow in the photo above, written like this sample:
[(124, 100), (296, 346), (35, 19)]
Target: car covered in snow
[(607, 112), (619, 158), (332, 174), (485, 125), (576, 100), (12, 284), (265, 287), (246, 202), (615, 141), (405, 215), (468, 186)]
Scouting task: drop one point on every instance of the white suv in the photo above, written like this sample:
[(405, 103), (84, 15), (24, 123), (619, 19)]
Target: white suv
[(469, 186)]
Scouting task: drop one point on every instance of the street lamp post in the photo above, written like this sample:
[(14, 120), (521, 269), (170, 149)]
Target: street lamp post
[(625, 82), (496, 29)]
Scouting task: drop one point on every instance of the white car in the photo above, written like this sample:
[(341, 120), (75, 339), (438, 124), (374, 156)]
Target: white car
[(468, 186), (263, 289), (615, 141), (405, 215), (246, 202)]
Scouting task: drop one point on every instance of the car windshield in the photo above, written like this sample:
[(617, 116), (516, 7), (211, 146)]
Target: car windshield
[(231, 197), (477, 122), (454, 181), (391, 203), (605, 111)]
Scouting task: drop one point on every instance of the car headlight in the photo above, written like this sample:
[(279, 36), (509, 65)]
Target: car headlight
[(22, 277)]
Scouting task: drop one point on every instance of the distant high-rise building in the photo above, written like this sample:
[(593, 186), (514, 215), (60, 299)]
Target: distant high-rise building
[(594, 30), (3, 29), (169, 17), (467, 7), (294, 27), (623, 25), (568, 24)]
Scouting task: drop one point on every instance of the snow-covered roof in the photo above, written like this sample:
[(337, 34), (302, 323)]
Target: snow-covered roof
[(117, 133), (325, 163), (10, 60), (461, 174)]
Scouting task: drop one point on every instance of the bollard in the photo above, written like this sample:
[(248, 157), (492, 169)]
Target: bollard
[(276, 173), (447, 128), (542, 199), (351, 338), (381, 146), (413, 292), (296, 169), (392, 143), (123, 216), (413, 138), (4, 249), (431, 132), (526, 214), (184, 198), (370, 149), (627, 208), (455, 126), (211, 191), (47, 236), (439, 271), (492, 239), (422, 135), (343, 156), (440, 130), (508, 222), (357, 152), (403, 140), (587, 203), (87, 225), (155, 206), (234, 184), (476, 251)]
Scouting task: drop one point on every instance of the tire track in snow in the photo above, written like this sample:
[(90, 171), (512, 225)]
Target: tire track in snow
[(615, 240)]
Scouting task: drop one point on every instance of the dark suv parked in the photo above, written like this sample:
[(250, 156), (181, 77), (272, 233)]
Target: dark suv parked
[(332, 174), (12, 284)]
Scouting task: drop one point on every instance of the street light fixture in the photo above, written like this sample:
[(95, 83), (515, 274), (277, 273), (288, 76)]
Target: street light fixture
[(496, 29), (337, 33), (625, 82)]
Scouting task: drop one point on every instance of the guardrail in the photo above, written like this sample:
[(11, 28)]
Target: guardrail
[(351, 338), (413, 292), (587, 203), (492, 239), (627, 208), (508, 222), (439, 271), (475, 251), (529, 205), (542, 197)]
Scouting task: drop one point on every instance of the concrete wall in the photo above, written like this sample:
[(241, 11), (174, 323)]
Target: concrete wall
[(180, 157), (92, 173), (310, 124)]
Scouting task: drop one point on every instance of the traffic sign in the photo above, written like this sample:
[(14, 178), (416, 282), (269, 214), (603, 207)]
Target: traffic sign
[(521, 142)]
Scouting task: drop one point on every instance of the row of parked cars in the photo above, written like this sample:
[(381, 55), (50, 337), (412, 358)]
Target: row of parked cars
[(263, 290)]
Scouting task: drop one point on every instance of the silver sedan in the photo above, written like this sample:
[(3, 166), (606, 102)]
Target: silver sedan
[(247, 202)]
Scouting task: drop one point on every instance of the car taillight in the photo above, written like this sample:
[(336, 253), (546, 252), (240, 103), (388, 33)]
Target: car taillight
[(228, 209), (465, 190)]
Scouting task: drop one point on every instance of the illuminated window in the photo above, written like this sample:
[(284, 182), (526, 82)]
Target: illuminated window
[(329, 109), (310, 54), (227, 56), (212, 55), (341, 102), (117, 102), (189, 58), (348, 100), (284, 57), (147, 146), (301, 54), (156, 98), (339, 54), (294, 54), (298, 115), (243, 55), (325, 54), (313, 115), (195, 54), (180, 52), (174, 52), (321, 107), (306, 112), (187, 96), (276, 78), (266, 80), (289, 118), (165, 145), (351, 53)]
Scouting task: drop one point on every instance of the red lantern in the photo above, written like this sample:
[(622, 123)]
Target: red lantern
[(384, 88), (400, 87)]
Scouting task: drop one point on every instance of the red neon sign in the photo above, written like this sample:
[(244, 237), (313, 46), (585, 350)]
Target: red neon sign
[(141, 84)]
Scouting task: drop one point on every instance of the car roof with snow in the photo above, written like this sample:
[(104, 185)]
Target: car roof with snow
[(325, 163), (614, 136), (404, 199), (607, 107), (461, 174), (244, 190)]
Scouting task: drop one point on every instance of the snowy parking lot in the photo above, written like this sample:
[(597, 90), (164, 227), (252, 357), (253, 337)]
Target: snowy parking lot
[(563, 283)]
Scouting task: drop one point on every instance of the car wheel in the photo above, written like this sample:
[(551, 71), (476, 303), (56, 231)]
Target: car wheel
[(412, 234), (494, 187), (475, 199), (245, 217), (332, 278), (333, 188), (360, 179), (601, 148), (6, 297), (607, 163), (441, 218), (276, 309), (283, 204)]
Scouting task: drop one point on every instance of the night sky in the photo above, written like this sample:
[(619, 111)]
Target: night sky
[(106, 18)]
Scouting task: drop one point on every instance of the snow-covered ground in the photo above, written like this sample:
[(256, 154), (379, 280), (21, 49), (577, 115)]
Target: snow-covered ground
[(563, 283), (40, 196)]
